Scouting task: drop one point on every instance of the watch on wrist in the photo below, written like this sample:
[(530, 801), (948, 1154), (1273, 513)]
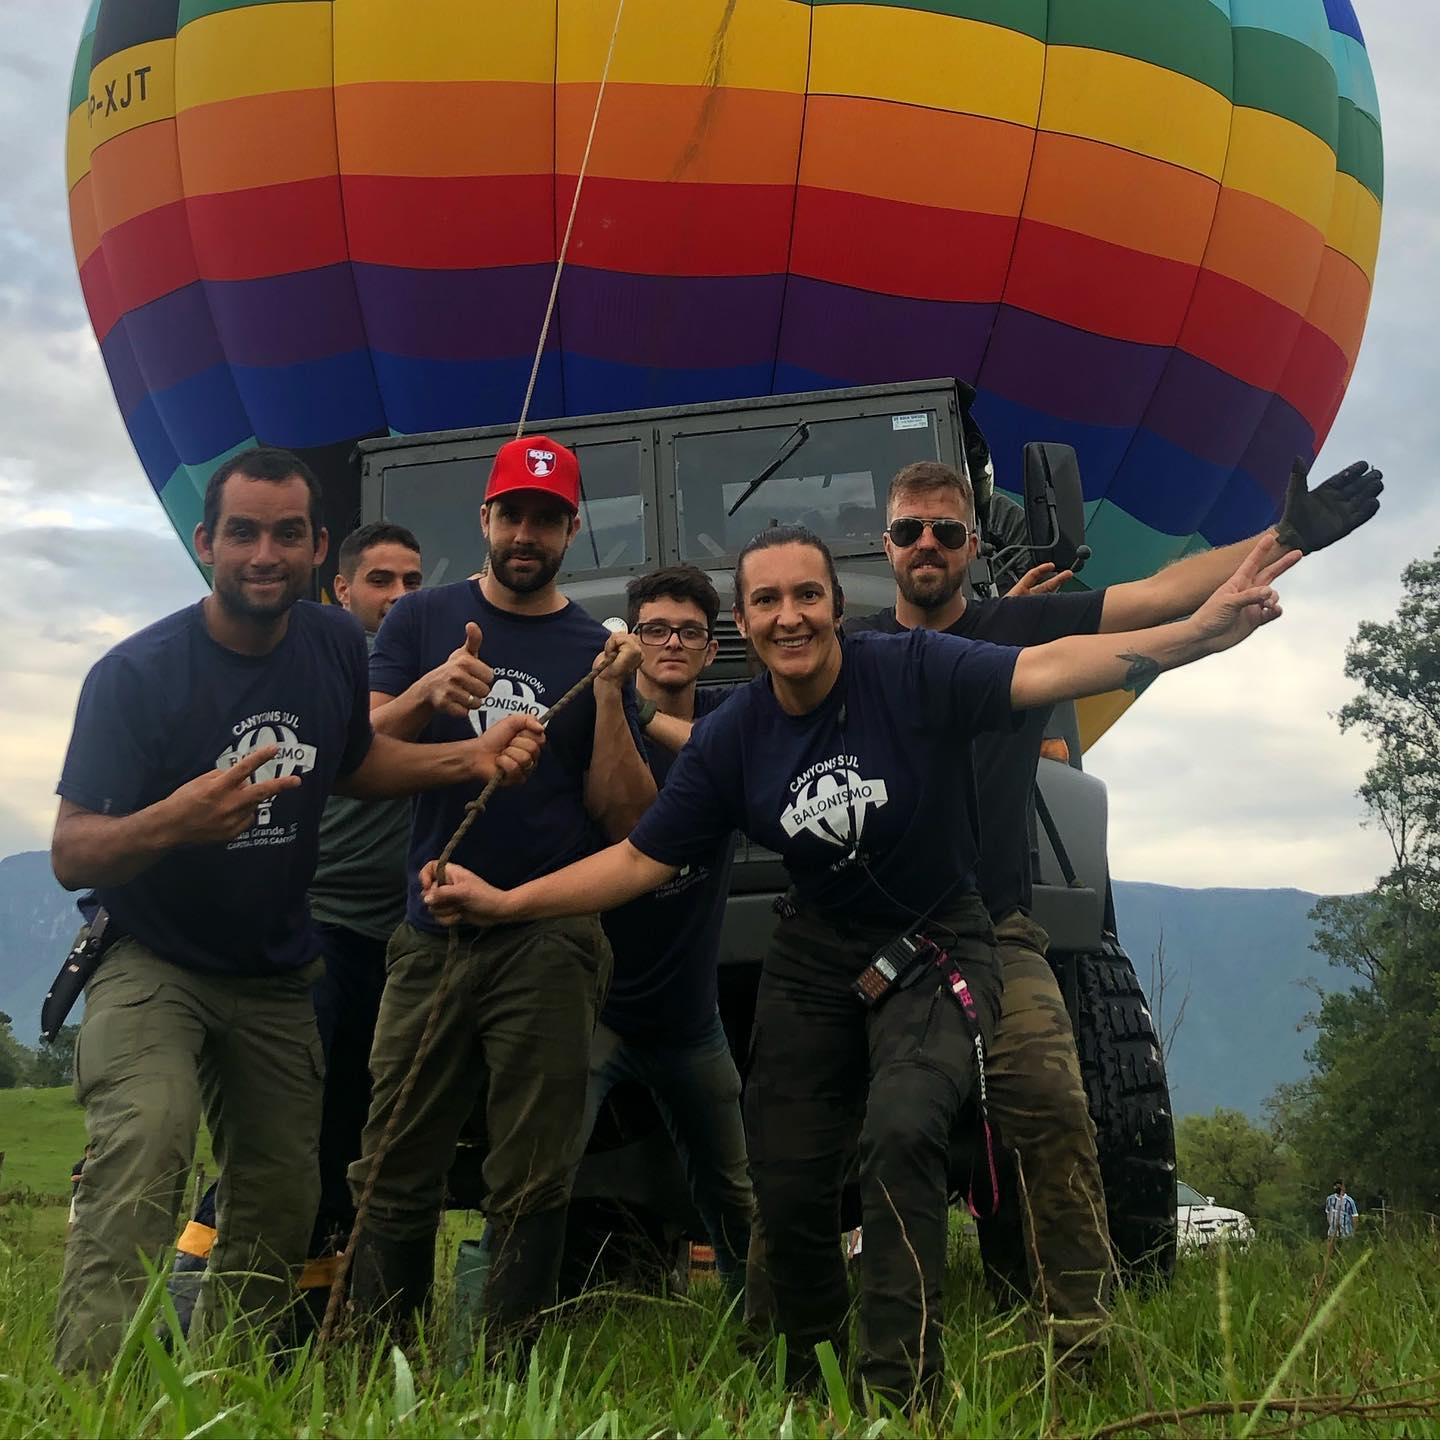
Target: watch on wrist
[(645, 712)]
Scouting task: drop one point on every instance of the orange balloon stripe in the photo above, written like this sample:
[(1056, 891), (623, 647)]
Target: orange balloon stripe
[(84, 228), (925, 157), (445, 128), (257, 140), (695, 134), (136, 172), (1144, 204)]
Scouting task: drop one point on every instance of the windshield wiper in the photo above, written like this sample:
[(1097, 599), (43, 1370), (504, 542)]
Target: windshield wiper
[(797, 438)]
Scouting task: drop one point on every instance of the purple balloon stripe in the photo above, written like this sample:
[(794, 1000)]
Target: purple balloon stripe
[(872, 339), (453, 314), (687, 323), (287, 319)]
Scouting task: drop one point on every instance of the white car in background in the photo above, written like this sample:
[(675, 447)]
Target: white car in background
[(1200, 1222)]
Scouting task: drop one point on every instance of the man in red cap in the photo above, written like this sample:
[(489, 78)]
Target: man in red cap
[(515, 1036)]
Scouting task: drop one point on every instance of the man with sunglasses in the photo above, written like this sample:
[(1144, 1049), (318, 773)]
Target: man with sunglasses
[(661, 1024), (1037, 1096)]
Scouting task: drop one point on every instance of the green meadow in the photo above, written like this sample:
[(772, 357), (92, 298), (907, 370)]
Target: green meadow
[(1286, 1338)]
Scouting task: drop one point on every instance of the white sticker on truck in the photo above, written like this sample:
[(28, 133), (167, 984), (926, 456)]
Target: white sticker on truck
[(910, 422)]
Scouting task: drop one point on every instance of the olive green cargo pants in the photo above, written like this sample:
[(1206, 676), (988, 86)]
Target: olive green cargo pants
[(514, 1037), (1037, 1101), (158, 1042)]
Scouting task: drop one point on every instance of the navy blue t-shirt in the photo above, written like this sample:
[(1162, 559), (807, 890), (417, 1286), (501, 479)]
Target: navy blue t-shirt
[(169, 704), (1005, 761), (868, 798), (667, 943), (529, 829)]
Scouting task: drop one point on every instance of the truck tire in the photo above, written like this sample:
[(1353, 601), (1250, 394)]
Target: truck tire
[(1124, 1073)]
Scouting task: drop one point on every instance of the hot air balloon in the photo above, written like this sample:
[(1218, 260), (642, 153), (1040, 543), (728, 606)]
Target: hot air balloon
[(1147, 228)]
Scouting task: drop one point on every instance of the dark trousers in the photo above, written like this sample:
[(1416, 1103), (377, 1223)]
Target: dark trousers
[(514, 1037), (347, 1004), (826, 1072), (696, 1088)]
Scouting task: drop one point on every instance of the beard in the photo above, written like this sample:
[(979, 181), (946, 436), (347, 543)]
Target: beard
[(545, 571), (230, 592), (928, 588)]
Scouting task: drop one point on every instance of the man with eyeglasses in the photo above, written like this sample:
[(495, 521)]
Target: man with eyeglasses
[(1037, 1097), (661, 1023)]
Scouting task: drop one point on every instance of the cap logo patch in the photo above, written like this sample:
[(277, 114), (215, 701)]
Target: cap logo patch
[(540, 463)]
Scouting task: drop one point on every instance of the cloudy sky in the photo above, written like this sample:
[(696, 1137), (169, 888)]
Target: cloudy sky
[(1231, 773)]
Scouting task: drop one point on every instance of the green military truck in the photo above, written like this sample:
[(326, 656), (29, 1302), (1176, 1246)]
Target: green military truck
[(658, 488)]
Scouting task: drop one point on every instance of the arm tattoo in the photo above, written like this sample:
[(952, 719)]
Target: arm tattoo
[(1141, 672)]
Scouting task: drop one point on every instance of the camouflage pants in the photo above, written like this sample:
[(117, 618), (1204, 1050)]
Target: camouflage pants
[(1056, 1209)]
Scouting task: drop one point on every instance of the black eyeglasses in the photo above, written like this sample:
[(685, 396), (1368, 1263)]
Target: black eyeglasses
[(907, 529), (657, 632)]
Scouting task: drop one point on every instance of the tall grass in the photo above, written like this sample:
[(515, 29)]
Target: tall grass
[(1296, 1322)]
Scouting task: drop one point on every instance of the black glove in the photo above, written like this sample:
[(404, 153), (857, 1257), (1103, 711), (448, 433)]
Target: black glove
[(1316, 518)]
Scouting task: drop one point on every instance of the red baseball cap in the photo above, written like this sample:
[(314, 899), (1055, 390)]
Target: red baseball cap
[(535, 462)]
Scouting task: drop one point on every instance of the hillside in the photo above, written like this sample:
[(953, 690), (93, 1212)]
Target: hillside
[(38, 920), (1243, 952)]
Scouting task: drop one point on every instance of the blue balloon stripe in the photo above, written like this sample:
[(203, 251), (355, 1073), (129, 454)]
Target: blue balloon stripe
[(315, 402)]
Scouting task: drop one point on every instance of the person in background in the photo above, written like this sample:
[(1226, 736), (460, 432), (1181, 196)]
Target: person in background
[(1340, 1212), (661, 1023)]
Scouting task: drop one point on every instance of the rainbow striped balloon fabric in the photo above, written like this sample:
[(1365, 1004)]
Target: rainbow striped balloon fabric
[(1145, 227)]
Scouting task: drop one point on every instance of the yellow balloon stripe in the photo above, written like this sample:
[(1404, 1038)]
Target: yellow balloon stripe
[(261, 50), (757, 45), (920, 58), (129, 89), (456, 40), (1139, 107), (1354, 225)]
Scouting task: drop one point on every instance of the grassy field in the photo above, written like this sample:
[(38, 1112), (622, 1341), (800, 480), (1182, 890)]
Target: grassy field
[(1340, 1334)]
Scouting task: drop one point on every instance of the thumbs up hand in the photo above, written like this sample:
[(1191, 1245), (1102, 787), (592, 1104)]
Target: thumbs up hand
[(463, 681)]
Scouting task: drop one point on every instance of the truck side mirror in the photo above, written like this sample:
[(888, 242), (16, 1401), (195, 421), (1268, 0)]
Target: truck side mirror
[(1055, 505)]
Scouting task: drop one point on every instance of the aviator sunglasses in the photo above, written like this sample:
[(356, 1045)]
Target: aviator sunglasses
[(905, 530)]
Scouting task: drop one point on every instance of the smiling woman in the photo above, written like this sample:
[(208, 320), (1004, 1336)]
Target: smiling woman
[(850, 759)]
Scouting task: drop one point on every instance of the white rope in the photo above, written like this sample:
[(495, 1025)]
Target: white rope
[(570, 223)]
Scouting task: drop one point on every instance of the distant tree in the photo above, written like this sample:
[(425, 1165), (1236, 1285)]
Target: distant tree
[(1367, 1110), (54, 1063), (14, 1058), (1242, 1165)]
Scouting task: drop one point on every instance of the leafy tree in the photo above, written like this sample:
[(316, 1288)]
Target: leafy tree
[(1366, 1113), (54, 1063), (14, 1058), (1242, 1165)]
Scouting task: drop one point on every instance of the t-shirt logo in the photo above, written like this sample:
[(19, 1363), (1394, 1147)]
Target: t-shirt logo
[(540, 463), (513, 693), (833, 805), (273, 729)]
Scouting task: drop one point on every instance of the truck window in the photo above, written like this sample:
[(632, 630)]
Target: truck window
[(440, 501), (835, 482)]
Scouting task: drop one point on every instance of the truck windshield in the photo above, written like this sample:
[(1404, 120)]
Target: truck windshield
[(835, 483), (440, 501)]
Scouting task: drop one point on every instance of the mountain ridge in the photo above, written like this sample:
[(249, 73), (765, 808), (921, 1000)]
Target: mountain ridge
[(1244, 955)]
